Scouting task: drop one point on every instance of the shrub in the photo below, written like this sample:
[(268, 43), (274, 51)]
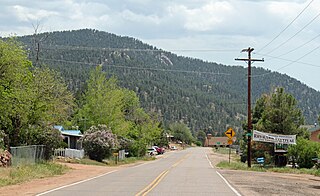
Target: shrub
[(2, 139), (304, 152), (45, 135), (138, 148), (98, 142), (198, 143)]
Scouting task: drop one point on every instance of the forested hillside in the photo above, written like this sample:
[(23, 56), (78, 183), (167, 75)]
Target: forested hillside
[(201, 94)]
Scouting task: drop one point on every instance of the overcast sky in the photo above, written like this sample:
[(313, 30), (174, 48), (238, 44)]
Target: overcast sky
[(212, 30)]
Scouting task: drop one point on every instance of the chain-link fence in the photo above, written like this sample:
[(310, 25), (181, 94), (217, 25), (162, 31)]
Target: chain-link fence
[(23, 155)]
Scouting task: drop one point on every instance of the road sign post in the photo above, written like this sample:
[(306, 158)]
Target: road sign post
[(230, 133)]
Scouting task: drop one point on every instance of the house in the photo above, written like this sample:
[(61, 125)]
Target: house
[(216, 141), (70, 137), (314, 133)]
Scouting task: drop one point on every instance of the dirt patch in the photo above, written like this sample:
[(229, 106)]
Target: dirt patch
[(267, 183), (77, 173)]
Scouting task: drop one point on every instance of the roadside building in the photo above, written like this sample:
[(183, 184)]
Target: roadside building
[(70, 137), (314, 135)]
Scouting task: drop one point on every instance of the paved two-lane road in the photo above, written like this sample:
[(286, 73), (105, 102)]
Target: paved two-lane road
[(186, 172)]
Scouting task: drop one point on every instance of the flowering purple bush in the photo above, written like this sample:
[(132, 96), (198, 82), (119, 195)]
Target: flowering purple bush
[(98, 142)]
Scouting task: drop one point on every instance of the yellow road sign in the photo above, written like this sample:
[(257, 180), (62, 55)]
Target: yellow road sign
[(230, 133), (230, 141)]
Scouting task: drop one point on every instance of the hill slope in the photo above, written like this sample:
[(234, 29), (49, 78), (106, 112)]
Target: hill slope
[(202, 94)]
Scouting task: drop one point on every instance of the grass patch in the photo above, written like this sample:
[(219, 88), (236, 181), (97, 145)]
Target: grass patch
[(18, 174), (243, 166), (221, 150), (239, 166), (129, 160), (84, 161), (315, 172), (106, 162)]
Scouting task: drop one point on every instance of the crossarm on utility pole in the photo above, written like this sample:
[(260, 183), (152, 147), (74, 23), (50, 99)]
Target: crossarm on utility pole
[(249, 60)]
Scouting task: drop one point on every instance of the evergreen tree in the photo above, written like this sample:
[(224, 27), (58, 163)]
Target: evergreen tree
[(279, 114)]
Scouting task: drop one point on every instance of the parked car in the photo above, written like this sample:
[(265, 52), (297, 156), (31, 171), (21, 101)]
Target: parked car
[(173, 148), (152, 151), (159, 149)]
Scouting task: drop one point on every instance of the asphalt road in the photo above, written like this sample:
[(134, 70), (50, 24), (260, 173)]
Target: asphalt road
[(186, 172)]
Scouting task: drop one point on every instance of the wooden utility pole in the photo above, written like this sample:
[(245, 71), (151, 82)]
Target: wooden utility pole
[(249, 60)]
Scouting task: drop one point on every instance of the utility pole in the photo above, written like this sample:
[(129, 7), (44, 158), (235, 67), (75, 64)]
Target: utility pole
[(249, 60)]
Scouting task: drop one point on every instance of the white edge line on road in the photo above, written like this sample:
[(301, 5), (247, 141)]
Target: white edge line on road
[(52, 190), (233, 189), (229, 185)]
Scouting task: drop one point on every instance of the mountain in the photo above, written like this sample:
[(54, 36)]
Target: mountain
[(204, 95)]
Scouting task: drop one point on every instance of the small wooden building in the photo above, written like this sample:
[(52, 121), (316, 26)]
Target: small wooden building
[(314, 136), (70, 137)]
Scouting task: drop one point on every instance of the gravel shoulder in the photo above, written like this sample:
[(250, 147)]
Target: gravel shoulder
[(78, 172), (267, 183)]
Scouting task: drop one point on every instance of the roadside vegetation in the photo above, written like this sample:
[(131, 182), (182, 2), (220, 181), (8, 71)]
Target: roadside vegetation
[(236, 164), (111, 161), (15, 175)]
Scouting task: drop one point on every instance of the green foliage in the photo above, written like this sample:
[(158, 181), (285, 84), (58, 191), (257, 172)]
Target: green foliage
[(15, 77), (260, 149), (181, 132), (98, 142), (105, 102), (16, 175), (201, 136), (2, 140), (51, 102), (304, 152), (239, 166), (163, 140), (28, 97), (279, 113), (102, 103), (138, 148), (44, 135), (243, 166)]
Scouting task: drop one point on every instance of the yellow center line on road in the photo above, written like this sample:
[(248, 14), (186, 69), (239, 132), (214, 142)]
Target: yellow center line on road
[(158, 179)]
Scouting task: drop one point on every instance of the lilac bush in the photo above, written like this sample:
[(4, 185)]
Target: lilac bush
[(98, 142)]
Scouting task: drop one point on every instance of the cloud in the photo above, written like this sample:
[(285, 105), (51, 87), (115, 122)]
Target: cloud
[(203, 18), (178, 24)]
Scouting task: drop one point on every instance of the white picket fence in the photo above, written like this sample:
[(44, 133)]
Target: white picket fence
[(67, 152)]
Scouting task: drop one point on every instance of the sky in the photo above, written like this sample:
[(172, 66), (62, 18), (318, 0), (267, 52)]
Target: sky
[(286, 33)]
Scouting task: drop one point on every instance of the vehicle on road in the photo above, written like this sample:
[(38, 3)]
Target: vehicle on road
[(159, 149), (173, 148), (152, 151)]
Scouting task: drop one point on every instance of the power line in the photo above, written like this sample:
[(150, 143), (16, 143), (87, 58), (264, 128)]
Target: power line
[(138, 68), (295, 61), (300, 46), (283, 43), (287, 26), (63, 47), (288, 60)]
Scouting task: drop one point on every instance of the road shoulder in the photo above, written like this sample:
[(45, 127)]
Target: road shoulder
[(266, 183), (78, 172)]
